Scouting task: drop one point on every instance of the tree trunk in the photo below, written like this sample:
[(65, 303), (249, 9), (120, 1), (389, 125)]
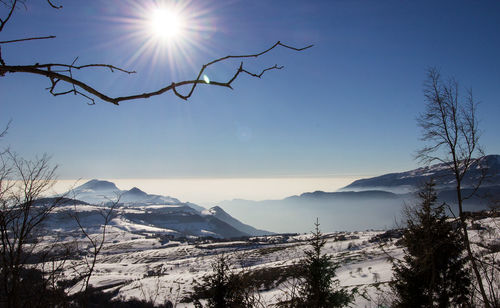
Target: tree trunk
[(467, 244)]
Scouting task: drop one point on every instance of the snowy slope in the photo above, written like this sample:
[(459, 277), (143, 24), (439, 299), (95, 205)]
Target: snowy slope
[(219, 213), (145, 211), (157, 220), (408, 180), (144, 267)]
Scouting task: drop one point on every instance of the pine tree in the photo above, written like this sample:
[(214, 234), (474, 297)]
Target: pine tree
[(220, 287), (432, 272), (319, 289), (225, 288)]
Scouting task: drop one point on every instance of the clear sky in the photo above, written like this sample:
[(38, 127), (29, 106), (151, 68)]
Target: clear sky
[(346, 107)]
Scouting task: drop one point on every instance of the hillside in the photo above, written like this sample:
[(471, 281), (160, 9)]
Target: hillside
[(142, 211), (150, 266), (410, 180)]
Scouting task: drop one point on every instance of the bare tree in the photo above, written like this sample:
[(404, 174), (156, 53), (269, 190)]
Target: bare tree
[(63, 73), (290, 288), (28, 259), (22, 183), (96, 241), (450, 129)]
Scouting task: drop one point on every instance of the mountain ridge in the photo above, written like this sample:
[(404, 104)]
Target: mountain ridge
[(412, 179), (366, 203), (219, 213), (165, 212)]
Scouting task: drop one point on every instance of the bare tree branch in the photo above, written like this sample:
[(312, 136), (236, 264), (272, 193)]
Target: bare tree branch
[(96, 242), (4, 132), (29, 39), (53, 5), (50, 71), (9, 15)]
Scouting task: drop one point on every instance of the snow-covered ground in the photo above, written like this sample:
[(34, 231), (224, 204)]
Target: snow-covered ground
[(148, 263)]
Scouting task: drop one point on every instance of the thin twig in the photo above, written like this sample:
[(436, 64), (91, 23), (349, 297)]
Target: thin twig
[(53, 5), (29, 39), (9, 15)]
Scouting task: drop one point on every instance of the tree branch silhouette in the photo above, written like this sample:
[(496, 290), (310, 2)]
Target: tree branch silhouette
[(28, 39), (60, 73), (57, 72)]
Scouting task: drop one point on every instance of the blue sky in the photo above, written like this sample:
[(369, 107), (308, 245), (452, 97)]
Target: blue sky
[(345, 107)]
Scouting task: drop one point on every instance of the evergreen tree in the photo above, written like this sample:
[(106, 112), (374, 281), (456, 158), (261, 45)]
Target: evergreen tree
[(319, 289), (433, 271), (225, 288), (220, 291)]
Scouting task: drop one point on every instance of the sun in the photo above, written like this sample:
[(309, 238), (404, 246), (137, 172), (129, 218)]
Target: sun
[(168, 34), (166, 24)]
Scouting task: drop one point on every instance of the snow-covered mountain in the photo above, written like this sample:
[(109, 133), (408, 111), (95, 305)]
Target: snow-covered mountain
[(410, 180), (142, 212), (219, 213), (100, 192)]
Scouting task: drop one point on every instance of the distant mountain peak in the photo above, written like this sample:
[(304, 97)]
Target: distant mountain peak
[(136, 190), (98, 185), (98, 191)]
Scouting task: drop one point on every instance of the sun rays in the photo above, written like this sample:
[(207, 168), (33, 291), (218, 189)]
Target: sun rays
[(167, 34)]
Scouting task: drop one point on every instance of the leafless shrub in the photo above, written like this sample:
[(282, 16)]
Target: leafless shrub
[(22, 212)]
